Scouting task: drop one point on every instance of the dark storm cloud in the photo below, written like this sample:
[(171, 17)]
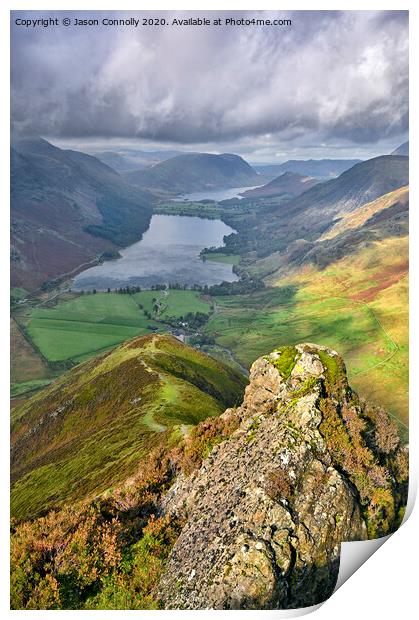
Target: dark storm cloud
[(338, 75)]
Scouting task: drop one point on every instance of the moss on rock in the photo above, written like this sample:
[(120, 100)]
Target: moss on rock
[(284, 360)]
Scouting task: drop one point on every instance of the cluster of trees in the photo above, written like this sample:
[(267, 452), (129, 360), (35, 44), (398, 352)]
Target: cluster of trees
[(215, 249), (178, 286), (123, 290), (199, 340), (194, 320), (191, 320), (127, 290), (246, 284), (158, 287), (109, 255), (50, 285)]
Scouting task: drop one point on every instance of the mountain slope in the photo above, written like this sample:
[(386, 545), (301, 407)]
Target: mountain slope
[(403, 149), (290, 183), (383, 218), (276, 224), (67, 207), (89, 429), (360, 184), (362, 215), (124, 160), (318, 168), (195, 172)]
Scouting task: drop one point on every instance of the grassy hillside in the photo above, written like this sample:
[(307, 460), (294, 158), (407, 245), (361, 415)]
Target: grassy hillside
[(90, 429), (344, 286), (26, 365), (358, 306), (362, 214)]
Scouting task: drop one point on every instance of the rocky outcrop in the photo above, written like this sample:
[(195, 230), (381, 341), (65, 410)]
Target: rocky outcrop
[(309, 466)]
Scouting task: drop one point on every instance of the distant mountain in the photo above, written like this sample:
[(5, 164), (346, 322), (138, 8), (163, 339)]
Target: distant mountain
[(318, 168), (403, 149), (91, 428), (66, 208), (127, 160), (196, 172), (148, 158), (117, 161), (289, 183), (358, 185)]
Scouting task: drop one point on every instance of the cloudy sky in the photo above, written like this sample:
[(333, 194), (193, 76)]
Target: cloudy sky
[(331, 84)]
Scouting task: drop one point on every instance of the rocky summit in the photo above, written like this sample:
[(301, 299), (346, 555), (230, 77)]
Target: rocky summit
[(310, 465)]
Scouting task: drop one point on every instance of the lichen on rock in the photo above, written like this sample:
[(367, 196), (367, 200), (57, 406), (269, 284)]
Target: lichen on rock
[(308, 466)]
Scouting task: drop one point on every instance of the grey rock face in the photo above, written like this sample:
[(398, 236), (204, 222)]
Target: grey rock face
[(267, 511)]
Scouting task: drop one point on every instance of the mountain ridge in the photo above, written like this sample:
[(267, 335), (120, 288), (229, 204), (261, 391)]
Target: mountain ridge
[(403, 149), (140, 391), (275, 225), (373, 177)]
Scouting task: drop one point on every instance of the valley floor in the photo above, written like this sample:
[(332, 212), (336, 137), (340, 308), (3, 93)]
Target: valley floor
[(369, 328)]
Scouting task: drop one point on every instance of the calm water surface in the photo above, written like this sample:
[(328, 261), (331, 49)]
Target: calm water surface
[(217, 195), (168, 253)]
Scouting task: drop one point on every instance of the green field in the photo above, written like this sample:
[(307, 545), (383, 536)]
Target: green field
[(250, 326), (88, 324), (172, 303), (211, 211), (358, 306), (18, 389)]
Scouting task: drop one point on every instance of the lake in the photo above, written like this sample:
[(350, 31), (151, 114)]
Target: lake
[(217, 195), (167, 253)]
